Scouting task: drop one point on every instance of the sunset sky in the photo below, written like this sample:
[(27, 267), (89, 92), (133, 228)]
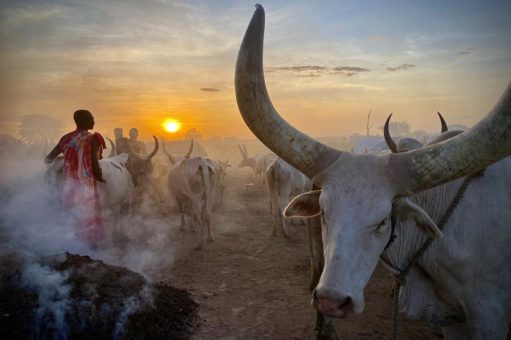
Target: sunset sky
[(136, 63)]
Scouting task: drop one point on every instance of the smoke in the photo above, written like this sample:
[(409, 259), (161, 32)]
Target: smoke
[(33, 225), (131, 305), (53, 299), (31, 222)]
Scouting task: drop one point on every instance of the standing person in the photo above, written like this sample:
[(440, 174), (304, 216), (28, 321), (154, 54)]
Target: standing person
[(82, 151), (121, 142), (138, 146)]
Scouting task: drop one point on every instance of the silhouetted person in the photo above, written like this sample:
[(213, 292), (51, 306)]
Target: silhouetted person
[(82, 151), (122, 144), (138, 146)]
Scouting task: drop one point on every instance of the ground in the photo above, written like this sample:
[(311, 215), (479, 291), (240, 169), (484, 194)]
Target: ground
[(250, 285)]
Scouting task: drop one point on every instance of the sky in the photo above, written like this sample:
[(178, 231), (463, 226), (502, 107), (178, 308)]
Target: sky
[(327, 63)]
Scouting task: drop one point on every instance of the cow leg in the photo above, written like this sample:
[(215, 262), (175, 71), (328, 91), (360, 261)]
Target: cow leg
[(325, 327), (208, 223), (275, 216), (275, 222), (182, 213), (282, 222), (201, 235)]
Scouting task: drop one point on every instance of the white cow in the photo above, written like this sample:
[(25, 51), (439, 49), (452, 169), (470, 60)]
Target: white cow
[(116, 194), (122, 173), (369, 144), (174, 159), (284, 182), (359, 193), (192, 181), (220, 173), (258, 163), (379, 145)]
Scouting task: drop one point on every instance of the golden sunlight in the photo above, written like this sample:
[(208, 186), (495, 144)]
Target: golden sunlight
[(171, 125)]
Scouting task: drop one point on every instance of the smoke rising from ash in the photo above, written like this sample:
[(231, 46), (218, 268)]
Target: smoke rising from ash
[(53, 299), (33, 225)]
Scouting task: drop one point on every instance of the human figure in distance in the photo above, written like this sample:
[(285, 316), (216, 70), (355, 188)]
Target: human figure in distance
[(138, 146)]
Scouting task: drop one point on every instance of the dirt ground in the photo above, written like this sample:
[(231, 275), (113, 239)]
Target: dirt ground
[(251, 286)]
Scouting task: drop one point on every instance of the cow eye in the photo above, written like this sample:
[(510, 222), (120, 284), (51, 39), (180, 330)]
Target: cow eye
[(382, 225)]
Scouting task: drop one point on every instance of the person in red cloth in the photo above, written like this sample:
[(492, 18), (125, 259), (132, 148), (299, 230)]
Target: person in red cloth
[(82, 151)]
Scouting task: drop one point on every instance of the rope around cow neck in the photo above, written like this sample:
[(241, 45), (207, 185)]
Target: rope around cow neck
[(401, 277)]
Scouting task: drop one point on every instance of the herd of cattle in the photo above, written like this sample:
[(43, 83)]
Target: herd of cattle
[(367, 208), (363, 208)]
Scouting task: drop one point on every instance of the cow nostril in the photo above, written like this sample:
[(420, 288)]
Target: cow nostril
[(346, 301)]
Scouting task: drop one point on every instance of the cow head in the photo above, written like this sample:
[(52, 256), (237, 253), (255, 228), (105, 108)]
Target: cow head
[(406, 143), (358, 192), (224, 166), (174, 159), (139, 167)]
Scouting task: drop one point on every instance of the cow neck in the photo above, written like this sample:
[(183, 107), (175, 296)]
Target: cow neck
[(400, 275)]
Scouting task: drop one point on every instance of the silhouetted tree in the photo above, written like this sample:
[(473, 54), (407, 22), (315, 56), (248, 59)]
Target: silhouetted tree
[(398, 128), (193, 133), (10, 144), (39, 128), (369, 125)]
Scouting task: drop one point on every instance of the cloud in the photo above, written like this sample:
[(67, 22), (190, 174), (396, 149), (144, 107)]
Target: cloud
[(318, 71), (302, 68), (465, 51), (402, 67), (209, 89), (350, 69)]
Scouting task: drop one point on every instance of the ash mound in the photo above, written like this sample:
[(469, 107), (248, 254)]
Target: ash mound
[(77, 297)]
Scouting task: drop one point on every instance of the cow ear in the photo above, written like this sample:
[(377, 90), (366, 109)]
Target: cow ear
[(404, 209), (304, 205)]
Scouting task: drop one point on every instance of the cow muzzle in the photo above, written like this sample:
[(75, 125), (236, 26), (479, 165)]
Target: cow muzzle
[(331, 304)]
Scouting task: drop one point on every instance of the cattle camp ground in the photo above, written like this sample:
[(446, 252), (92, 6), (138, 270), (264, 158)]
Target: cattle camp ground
[(246, 284)]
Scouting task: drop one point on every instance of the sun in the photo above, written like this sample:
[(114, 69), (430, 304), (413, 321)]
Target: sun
[(171, 125)]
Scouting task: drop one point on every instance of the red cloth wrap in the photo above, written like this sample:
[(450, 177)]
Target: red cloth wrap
[(80, 194)]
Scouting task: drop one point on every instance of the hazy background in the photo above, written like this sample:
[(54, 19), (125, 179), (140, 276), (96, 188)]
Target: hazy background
[(135, 63)]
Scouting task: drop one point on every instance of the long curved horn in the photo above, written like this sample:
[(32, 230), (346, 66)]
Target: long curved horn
[(129, 149), (296, 148), (388, 138), (442, 121), (156, 147), (171, 158), (112, 148), (190, 150), (469, 152)]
